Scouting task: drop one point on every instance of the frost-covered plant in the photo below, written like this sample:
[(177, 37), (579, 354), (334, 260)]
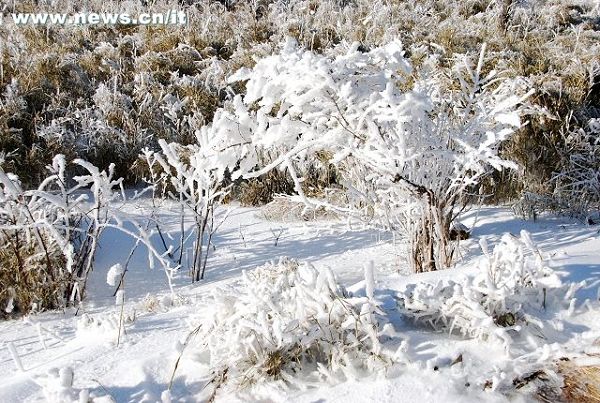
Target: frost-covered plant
[(102, 212), (505, 299), (197, 174), (50, 234), (552, 42), (530, 205), (284, 319), (104, 189), (409, 143), (40, 261), (577, 183)]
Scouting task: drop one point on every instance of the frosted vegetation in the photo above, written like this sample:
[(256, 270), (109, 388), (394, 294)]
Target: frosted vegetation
[(503, 301), (390, 116), (103, 94), (285, 318)]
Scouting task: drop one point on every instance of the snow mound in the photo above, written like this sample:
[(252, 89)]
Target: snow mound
[(58, 388), (102, 328)]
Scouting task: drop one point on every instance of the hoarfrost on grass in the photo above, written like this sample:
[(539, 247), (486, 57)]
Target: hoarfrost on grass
[(287, 318)]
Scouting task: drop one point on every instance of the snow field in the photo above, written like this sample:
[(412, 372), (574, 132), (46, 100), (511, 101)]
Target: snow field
[(418, 360)]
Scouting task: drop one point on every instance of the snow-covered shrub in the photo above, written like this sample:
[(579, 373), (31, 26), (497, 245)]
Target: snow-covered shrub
[(574, 187), (531, 205), (49, 235), (408, 143), (39, 257), (505, 298), (198, 175), (577, 182), (286, 318)]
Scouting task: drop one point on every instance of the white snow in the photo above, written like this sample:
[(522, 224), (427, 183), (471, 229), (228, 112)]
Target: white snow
[(113, 275), (72, 355)]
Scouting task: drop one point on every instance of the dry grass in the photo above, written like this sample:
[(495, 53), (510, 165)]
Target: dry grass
[(30, 281), (58, 69), (284, 210), (262, 190), (581, 383)]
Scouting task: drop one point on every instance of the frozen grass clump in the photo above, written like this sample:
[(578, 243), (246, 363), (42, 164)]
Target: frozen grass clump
[(287, 318), (286, 210), (509, 295)]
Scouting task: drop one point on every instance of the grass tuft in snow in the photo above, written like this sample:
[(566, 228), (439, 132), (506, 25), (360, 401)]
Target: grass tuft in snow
[(286, 320), (581, 383), (506, 297)]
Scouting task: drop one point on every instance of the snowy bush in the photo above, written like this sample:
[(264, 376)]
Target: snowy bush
[(410, 144), (505, 298), (50, 235), (40, 255), (530, 205), (577, 182), (285, 318)]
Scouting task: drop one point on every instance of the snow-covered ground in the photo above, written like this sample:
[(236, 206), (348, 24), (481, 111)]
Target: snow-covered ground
[(435, 366)]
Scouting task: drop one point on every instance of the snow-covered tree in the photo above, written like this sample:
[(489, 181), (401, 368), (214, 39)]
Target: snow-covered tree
[(409, 142)]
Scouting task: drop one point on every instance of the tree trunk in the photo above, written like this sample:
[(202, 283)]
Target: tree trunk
[(431, 247)]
